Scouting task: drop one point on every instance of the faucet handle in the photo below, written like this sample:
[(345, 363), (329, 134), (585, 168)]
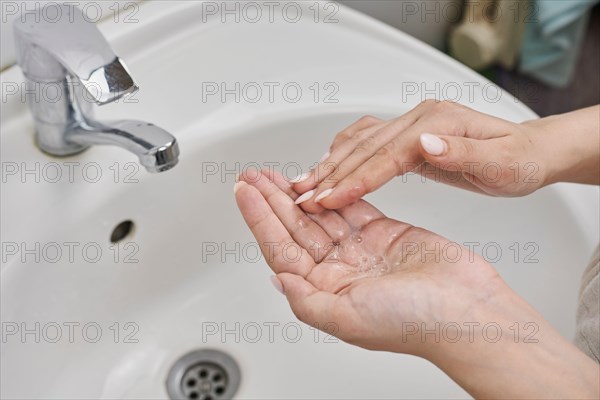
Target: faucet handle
[(110, 82), (49, 49)]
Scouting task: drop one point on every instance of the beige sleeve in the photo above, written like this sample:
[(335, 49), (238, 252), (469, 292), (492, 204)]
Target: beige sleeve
[(587, 336)]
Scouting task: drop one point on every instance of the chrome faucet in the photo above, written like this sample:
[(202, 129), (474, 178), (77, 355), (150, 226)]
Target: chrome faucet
[(69, 66)]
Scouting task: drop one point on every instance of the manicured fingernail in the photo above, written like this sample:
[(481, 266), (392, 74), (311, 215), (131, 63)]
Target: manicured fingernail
[(305, 196), (433, 144), (300, 178), (277, 283), (325, 157), (323, 194), (238, 185)]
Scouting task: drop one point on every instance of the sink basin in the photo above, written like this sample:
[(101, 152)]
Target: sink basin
[(109, 320)]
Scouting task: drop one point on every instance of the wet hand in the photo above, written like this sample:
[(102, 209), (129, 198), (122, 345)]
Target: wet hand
[(440, 140), (359, 274)]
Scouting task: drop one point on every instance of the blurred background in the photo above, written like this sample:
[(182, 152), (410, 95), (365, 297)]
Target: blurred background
[(545, 52)]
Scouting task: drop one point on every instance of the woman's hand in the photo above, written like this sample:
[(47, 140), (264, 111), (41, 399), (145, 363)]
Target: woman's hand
[(441, 140), (386, 285), (364, 272)]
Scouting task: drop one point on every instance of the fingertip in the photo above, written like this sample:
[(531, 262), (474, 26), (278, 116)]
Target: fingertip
[(304, 186), (300, 178), (323, 194), (250, 176), (325, 156), (250, 202), (341, 197), (305, 197), (238, 185), (432, 144), (277, 284)]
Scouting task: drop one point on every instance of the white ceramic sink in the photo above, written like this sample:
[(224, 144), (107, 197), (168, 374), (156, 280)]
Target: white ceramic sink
[(177, 291)]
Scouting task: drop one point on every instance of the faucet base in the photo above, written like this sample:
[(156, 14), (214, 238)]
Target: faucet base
[(64, 63), (54, 147)]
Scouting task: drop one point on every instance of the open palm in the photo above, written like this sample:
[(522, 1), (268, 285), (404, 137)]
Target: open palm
[(358, 274)]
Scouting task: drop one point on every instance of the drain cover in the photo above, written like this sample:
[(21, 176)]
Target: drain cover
[(204, 381), (204, 375)]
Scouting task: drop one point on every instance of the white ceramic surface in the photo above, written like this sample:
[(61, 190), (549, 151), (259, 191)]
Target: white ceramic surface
[(177, 289)]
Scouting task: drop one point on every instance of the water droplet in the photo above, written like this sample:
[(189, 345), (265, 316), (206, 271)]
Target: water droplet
[(333, 257), (356, 237), (363, 263), (376, 260), (302, 223)]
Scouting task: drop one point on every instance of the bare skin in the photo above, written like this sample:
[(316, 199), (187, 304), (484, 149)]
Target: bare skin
[(377, 304), (479, 152), (373, 281), (362, 278)]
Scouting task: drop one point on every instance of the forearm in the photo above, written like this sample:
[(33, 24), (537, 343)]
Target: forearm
[(569, 145), (540, 366)]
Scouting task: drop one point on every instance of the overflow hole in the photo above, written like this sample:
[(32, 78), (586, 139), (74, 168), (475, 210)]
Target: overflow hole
[(121, 231)]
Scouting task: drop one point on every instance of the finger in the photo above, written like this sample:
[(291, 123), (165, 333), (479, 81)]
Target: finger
[(303, 230), (330, 164), (367, 147), (371, 163), (337, 174), (356, 149), (360, 213), (317, 308), (449, 177), (470, 156), (397, 157), (453, 119), (284, 185), (332, 223), (363, 123), (280, 181), (287, 188), (271, 235)]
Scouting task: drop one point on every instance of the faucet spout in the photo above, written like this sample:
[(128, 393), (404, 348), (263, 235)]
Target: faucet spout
[(70, 54), (156, 149)]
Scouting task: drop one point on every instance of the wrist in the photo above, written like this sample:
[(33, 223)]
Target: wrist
[(517, 354), (545, 150), (568, 146)]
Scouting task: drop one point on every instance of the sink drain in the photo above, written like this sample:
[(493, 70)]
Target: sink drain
[(204, 375)]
